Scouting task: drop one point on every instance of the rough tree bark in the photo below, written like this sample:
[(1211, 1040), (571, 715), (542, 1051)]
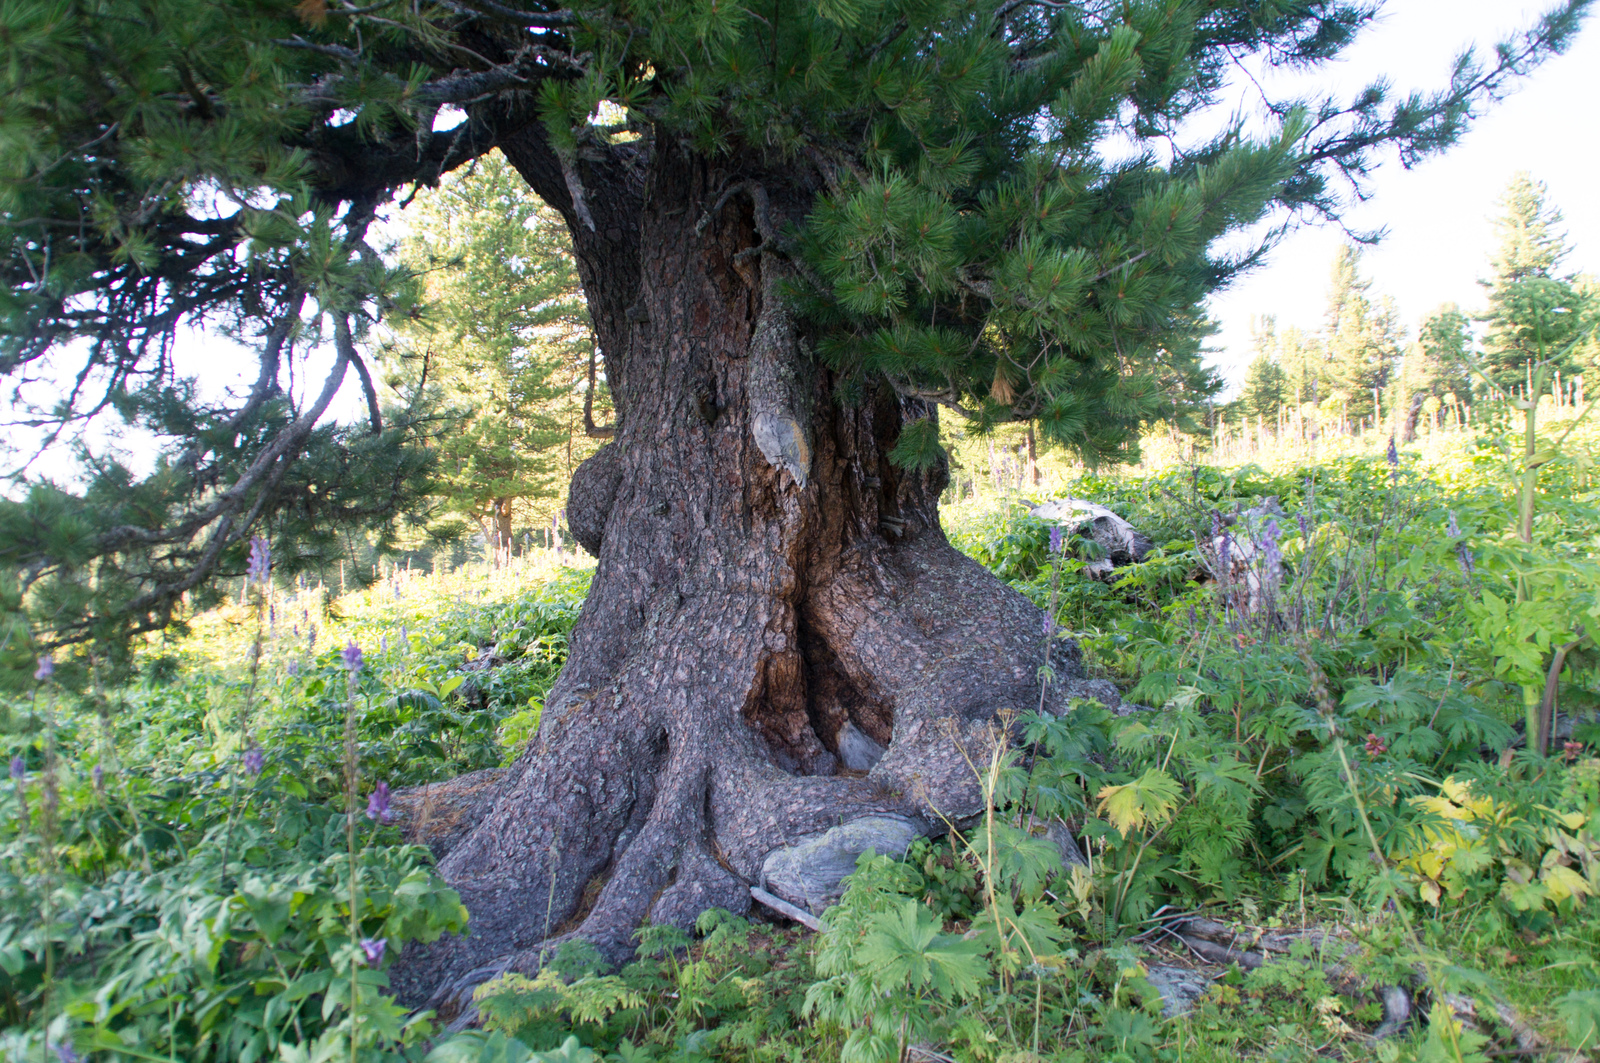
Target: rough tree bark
[(770, 589), (500, 516)]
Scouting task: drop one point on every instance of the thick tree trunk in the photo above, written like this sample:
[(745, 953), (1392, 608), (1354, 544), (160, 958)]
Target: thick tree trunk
[(778, 641)]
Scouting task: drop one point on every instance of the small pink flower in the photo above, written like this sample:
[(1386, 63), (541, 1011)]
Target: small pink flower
[(1376, 746)]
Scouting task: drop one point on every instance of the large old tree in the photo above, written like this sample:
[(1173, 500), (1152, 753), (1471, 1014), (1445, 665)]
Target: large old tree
[(802, 226)]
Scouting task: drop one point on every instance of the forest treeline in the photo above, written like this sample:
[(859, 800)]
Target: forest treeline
[(1364, 368)]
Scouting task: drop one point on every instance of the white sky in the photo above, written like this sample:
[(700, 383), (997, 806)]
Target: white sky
[(1438, 215)]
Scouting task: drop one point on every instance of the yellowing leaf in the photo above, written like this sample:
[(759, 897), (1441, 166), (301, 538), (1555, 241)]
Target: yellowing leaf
[(1563, 882), (1570, 820), (1148, 799)]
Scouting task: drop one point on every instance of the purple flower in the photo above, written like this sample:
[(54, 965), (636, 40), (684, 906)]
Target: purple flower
[(1270, 534), (1305, 528), (1055, 539), (293, 668), (1394, 457), (351, 656), (1270, 554), (254, 760), (260, 561), (1216, 523), (65, 1053), (99, 775), (378, 805), (373, 949), (1451, 528), (311, 639), (46, 669), (1464, 559), (383, 643), (1226, 554), (1049, 626), (19, 769)]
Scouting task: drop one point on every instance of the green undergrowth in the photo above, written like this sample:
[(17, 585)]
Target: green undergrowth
[(1339, 737)]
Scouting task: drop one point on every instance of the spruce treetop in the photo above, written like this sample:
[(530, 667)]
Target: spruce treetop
[(1531, 240)]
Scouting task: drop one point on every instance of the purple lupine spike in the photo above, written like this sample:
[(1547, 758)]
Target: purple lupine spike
[(383, 643), (1055, 539), (1393, 456), (1270, 534), (1216, 523), (46, 669), (373, 949), (293, 668), (1226, 554), (260, 561), (1464, 559), (351, 656), (1049, 626), (99, 776), (254, 760), (1451, 528), (19, 769), (378, 809), (1305, 528)]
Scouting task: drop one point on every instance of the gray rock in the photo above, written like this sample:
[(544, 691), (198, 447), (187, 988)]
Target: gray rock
[(1120, 542), (1179, 988), (857, 751), (1061, 835), (811, 873), (1102, 690)]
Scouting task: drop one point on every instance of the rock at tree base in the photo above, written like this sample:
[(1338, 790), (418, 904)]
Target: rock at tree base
[(812, 872), (857, 751)]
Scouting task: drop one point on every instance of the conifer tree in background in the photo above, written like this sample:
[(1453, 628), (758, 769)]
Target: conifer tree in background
[(1362, 339), (801, 227), (1266, 383), (1536, 313), (504, 347), (1437, 367)]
